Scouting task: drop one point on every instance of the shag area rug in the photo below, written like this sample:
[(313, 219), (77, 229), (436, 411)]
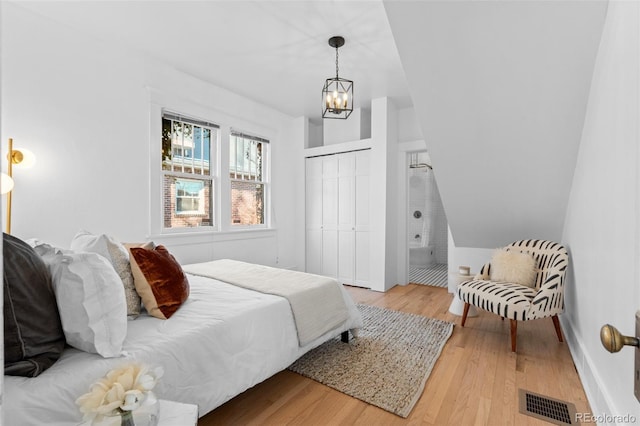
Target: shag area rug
[(387, 365)]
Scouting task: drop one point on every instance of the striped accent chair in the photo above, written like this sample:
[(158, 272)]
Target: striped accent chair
[(518, 302)]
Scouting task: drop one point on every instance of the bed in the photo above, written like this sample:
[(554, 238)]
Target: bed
[(222, 340)]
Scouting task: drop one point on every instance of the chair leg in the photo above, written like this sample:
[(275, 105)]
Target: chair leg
[(556, 324), (514, 331), (464, 314)]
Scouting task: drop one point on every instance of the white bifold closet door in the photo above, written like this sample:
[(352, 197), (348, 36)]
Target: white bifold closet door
[(337, 216)]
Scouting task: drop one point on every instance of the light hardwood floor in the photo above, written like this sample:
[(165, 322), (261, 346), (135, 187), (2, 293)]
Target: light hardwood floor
[(474, 382)]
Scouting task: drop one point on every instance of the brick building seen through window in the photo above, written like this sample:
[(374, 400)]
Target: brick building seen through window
[(248, 179), (187, 175)]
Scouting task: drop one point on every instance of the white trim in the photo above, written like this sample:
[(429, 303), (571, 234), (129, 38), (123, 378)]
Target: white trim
[(598, 401), (338, 148), (159, 101), (189, 238)]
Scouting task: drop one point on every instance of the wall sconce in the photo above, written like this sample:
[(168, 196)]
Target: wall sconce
[(6, 183), (21, 158)]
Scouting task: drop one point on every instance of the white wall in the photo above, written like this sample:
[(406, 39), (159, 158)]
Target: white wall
[(603, 216), (500, 90), (474, 258), (408, 127), (83, 107), (384, 210), (356, 127)]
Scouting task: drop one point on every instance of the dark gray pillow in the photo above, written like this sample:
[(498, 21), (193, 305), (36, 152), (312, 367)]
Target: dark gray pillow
[(33, 337)]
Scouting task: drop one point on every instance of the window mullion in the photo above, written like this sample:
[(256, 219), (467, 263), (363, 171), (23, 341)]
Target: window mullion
[(252, 161), (193, 149), (202, 152), (182, 149), (244, 157)]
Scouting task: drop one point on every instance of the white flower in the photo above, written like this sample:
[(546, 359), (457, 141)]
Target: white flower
[(122, 389), (132, 400)]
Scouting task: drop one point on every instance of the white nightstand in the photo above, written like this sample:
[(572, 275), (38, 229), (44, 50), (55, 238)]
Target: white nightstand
[(457, 305), (171, 413), (177, 414)]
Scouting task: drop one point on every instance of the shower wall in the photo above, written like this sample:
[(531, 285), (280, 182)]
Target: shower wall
[(430, 228)]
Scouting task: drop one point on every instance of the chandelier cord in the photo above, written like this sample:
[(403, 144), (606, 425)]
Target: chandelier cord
[(336, 62)]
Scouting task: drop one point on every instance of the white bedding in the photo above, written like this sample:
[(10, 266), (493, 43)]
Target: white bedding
[(316, 301), (222, 341)]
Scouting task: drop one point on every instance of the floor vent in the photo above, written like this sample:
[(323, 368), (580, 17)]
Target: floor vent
[(547, 409)]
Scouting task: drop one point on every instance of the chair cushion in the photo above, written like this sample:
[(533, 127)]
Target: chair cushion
[(508, 300)]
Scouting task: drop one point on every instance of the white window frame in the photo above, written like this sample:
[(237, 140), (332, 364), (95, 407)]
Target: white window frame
[(159, 105), (160, 101), (209, 178), (264, 181)]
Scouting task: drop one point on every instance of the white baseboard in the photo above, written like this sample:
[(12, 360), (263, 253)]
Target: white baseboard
[(601, 403)]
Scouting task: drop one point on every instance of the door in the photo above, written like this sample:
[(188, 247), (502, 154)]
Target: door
[(313, 209), (337, 216), (346, 217), (330, 216), (361, 218)]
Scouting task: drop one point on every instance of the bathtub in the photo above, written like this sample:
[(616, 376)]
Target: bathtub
[(421, 256)]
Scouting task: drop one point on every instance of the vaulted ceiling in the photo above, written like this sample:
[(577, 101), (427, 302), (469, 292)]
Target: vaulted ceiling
[(500, 90)]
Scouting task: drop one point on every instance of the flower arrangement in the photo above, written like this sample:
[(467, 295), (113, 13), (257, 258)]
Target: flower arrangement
[(120, 392)]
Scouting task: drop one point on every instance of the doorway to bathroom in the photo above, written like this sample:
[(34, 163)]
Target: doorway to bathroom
[(427, 224)]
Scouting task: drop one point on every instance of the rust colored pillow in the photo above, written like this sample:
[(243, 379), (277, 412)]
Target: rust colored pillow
[(159, 280)]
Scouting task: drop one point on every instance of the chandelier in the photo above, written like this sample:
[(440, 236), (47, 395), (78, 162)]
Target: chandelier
[(337, 93)]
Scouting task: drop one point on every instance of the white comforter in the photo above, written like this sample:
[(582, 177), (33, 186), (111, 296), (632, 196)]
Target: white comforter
[(316, 301), (222, 341)]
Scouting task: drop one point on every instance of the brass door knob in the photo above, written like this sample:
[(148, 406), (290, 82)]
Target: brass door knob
[(613, 341)]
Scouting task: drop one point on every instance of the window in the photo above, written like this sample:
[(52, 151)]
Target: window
[(248, 179), (189, 197), (187, 175)]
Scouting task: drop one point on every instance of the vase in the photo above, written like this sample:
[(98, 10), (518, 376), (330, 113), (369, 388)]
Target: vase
[(146, 415), (126, 418)]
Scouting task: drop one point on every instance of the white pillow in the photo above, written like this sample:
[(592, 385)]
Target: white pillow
[(90, 300), (514, 267), (118, 255)]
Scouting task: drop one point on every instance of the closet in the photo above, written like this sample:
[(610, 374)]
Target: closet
[(337, 216)]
